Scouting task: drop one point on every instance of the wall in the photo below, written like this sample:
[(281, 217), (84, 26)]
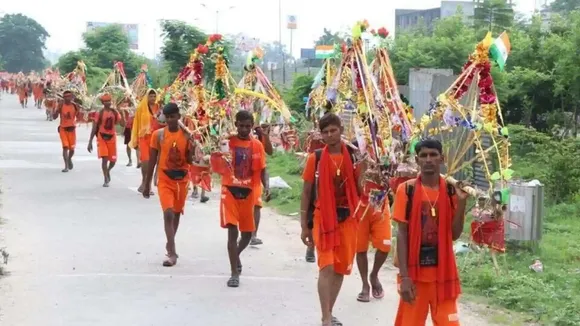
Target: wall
[(424, 87)]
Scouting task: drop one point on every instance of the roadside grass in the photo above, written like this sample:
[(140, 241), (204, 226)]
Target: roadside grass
[(551, 297), (288, 167)]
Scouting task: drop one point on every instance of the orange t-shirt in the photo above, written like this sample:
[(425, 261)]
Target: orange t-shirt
[(429, 224), (248, 161), (339, 181), (68, 115), (172, 149), (109, 119)]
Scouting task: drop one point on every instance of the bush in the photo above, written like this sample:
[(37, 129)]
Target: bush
[(539, 156)]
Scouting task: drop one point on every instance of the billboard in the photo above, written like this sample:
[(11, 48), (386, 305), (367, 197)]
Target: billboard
[(291, 22), (307, 53), (132, 31)]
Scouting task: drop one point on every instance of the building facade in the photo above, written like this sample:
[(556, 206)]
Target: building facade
[(408, 18)]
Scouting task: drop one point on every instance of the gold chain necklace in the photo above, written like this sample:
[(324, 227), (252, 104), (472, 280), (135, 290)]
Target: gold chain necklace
[(433, 213), (337, 166)]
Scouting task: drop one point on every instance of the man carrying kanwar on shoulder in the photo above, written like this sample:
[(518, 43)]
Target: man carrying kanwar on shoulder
[(330, 178), (430, 214), (173, 150), (241, 179), (144, 124), (262, 132), (104, 129), (374, 227), (67, 110)]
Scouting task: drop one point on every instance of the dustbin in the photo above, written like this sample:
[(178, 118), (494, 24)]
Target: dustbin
[(525, 212)]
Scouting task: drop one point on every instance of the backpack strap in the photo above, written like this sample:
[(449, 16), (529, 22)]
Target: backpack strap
[(160, 137), (450, 193), (314, 192), (410, 191)]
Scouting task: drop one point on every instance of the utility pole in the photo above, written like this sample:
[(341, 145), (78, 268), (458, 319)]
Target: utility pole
[(280, 41)]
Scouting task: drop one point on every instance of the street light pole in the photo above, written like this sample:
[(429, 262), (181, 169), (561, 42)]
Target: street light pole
[(217, 15), (217, 21)]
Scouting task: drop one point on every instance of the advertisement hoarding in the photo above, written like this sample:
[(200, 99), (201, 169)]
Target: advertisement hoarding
[(132, 31), (292, 22)]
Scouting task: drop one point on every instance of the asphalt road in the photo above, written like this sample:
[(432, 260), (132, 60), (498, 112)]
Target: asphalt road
[(81, 254)]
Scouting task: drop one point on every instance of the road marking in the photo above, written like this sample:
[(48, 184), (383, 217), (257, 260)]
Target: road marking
[(195, 276)]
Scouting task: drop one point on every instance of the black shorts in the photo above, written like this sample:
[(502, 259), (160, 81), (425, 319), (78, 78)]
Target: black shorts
[(127, 135)]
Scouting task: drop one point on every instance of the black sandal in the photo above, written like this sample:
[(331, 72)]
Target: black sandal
[(234, 281), (336, 322), (310, 257)]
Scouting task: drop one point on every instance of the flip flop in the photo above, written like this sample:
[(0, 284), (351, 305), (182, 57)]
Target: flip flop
[(64, 170), (170, 261), (234, 281), (204, 199), (377, 291), (363, 297), (336, 322), (256, 242)]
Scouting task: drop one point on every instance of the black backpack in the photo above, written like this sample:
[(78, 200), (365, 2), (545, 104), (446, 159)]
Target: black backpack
[(410, 190), (314, 192)]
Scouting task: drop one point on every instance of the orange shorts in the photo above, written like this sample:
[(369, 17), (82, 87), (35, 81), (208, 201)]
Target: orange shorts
[(144, 146), (107, 148), (172, 194), (258, 197), (239, 212), (67, 138), (374, 227), (442, 313), (341, 257)]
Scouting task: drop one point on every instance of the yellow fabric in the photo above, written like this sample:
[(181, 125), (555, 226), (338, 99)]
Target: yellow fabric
[(142, 120)]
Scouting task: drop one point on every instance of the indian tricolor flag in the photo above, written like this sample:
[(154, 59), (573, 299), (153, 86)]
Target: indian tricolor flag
[(500, 49), (324, 51)]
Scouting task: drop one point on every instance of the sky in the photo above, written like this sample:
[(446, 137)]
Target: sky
[(256, 18)]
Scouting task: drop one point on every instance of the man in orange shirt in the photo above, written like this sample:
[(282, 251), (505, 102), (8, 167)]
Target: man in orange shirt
[(241, 179), (67, 111), (173, 150), (430, 213), (374, 227), (330, 174), (104, 129)]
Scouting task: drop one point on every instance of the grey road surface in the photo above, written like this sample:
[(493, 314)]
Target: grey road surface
[(82, 255)]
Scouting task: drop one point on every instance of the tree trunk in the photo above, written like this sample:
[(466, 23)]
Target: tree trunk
[(576, 120)]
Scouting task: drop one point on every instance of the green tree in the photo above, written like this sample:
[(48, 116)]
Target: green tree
[(447, 47), (106, 45), (68, 61), (180, 39), (565, 6), (329, 38), (294, 96), (22, 40), (493, 15)]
